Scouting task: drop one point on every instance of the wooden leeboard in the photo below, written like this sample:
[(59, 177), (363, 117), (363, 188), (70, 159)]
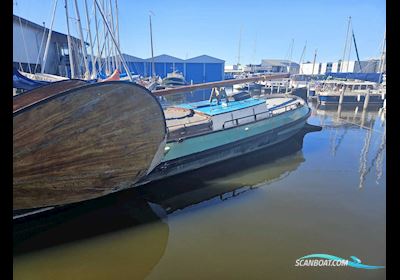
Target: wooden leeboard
[(31, 97), (85, 143)]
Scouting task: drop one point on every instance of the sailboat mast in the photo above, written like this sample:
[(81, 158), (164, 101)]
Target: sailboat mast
[(105, 42), (97, 36), (355, 47), (240, 41), (290, 66), (115, 42), (383, 58), (152, 54), (87, 74), (49, 38), (111, 22), (71, 59), (94, 71), (117, 30), (301, 57), (315, 57), (345, 45), (348, 58), (290, 55)]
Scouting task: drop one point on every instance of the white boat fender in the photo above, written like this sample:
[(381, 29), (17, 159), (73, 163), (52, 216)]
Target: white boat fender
[(358, 98)]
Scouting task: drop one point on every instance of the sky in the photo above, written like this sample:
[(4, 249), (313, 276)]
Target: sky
[(264, 29)]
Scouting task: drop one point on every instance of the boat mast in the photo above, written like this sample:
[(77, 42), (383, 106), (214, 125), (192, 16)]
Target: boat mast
[(117, 30), (105, 42), (345, 45), (290, 66), (240, 41), (83, 44), (112, 51), (94, 71), (315, 57), (383, 58), (71, 59), (115, 42), (290, 55), (151, 43), (348, 58), (49, 37), (98, 57), (355, 47), (301, 57)]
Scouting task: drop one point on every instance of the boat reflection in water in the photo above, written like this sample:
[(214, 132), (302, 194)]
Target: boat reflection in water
[(115, 237), (229, 178), (349, 117), (124, 235)]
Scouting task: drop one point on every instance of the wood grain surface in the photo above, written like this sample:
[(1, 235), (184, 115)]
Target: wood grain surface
[(85, 143), (36, 95)]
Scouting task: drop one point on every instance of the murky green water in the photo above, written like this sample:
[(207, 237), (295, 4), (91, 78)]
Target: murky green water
[(249, 218)]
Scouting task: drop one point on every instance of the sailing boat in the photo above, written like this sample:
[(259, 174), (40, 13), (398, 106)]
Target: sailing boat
[(350, 90)]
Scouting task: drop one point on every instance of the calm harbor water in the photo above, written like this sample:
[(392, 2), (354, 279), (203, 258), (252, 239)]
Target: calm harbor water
[(248, 218)]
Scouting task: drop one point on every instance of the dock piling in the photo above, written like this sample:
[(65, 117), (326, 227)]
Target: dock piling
[(341, 97), (366, 100)]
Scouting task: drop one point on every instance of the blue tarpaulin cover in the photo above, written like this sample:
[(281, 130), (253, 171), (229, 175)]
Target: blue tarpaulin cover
[(22, 82)]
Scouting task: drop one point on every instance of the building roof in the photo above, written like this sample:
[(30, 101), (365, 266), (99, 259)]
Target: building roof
[(165, 58), (41, 28), (204, 59), (131, 58)]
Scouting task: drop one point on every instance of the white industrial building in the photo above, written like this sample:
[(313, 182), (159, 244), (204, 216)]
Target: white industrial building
[(352, 66), (266, 66)]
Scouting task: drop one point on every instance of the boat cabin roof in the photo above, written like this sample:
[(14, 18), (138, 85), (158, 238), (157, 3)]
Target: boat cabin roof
[(213, 109)]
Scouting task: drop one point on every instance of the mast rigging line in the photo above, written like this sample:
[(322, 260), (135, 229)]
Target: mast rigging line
[(115, 42), (345, 44), (40, 48), (26, 51), (49, 37)]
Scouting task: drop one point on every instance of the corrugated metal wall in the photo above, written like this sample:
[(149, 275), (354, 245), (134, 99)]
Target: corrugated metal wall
[(180, 67), (213, 72), (136, 67), (195, 72)]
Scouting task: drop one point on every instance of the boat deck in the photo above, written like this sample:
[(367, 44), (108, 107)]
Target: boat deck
[(196, 118), (216, 109), (183, 122)]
